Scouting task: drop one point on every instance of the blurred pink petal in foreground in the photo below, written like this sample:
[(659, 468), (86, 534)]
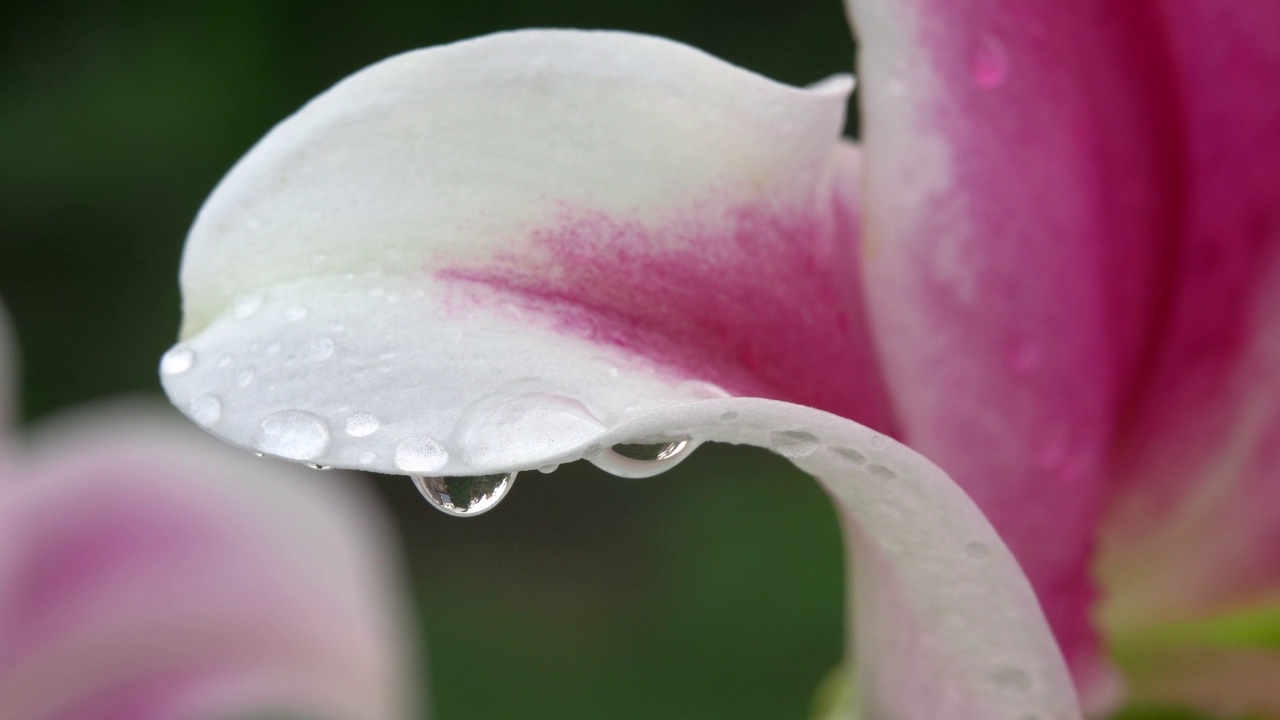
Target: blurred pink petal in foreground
[(147, 573)]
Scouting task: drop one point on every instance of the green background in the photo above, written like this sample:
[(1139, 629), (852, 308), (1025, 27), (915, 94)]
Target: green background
[(714, 591)]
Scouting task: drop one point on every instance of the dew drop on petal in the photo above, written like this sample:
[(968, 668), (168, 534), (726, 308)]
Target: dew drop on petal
[(850, 454), (420, 454), (178, 360), (1011, 680), (548, 469), (977, 549), (362, 425), (465, 496), (244, 376), (794, 443), (367, 457), (318, 466), (205, 410), (293, 435), (318, 349), (641, 461), (246, 305)]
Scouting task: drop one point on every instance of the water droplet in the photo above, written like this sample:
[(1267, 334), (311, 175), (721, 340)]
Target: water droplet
[(244, 376), (258, 454), (728, 417), (794, 443), (641, 461), (246, 305), (1011, 679), (990, 64), (548, 469), (977, 549), (225, 360), (882, 472), (465, 496), (877, 440), (294, 313), (386, 367), (318, 466), (420, 454), (318, 349), (178, 360), (293, 435), (850, 454), (367, 457), (362, 425), (205, 410)]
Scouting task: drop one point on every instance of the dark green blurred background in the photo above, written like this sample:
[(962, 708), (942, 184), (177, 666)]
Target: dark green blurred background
[(713, 591)]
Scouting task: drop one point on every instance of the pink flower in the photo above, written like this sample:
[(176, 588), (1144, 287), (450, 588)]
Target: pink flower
[(1053, 269), (147, 574)]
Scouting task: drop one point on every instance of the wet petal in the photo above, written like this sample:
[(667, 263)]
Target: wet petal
[(375, 281), (1194, 529), (558, 242), (149, 574), (1018, 194)]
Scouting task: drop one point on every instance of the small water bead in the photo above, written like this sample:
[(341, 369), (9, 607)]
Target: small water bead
[(318, 349), (367, 457), (244, 376), (794, 443), (205, 410), (882, 472), (294, 313), (465, 496), (318, 466), (420, 454), (273, 349), (729, 416), (362, 425), (246, 305), (225, 360), (1011, 680), (850, 454), (977, 549), (293, 434), (652, 452), (177, 360)]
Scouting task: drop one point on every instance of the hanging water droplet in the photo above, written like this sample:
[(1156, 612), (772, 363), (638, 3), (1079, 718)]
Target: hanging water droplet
[(178, 360), (641, 460), (465, 496), (362, 425), (293, 435), (548, 469), (420, 454), (205, 410), (318, 466), (794, 443), (247, 305)]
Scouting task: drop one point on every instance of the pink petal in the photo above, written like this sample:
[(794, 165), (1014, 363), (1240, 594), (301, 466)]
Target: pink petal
[(1195, 528), (1018, 191), (150, 573)]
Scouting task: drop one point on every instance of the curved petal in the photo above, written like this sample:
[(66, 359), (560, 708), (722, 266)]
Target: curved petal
[(150, 574), (671, 215), (1194, 529), (560, 241), (1019, 192)]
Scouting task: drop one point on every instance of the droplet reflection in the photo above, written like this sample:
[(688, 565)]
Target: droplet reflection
[(641, 461), (465, 496)]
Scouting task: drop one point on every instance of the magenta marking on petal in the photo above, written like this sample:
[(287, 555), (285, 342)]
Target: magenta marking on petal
[(762, 302)]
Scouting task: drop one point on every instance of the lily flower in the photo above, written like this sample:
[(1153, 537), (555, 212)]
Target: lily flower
[(1049, 271), (148, 574)]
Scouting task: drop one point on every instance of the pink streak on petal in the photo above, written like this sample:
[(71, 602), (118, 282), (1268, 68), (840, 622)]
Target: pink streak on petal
[(1195, 529), (1014, 303), (759, 300)]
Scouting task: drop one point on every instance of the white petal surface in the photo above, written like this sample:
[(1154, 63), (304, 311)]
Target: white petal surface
[(358, 294)]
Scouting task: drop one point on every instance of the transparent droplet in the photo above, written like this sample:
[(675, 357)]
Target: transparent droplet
[(977, 549), (318, 466), (794, 443), (178, 360), (882, 472), (318, 349), (246, 305), (465, 496), (420, 454), (728, 417), (293, 434), (990, 65), (1011, 679), (225, 360), (367, 457), (244, 376), (294, 313), (205, 410), (548, 469), (641, 461), (850, 454), (362, 425)]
